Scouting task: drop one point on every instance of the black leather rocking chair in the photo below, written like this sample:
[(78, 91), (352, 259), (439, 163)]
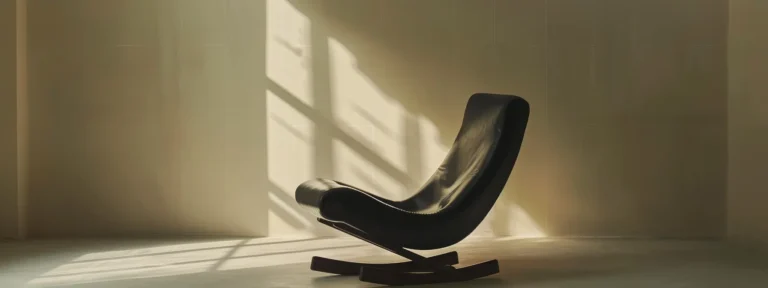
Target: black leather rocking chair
[(446, 210)]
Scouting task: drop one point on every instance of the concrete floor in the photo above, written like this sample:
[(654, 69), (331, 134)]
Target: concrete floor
[(283, 262)]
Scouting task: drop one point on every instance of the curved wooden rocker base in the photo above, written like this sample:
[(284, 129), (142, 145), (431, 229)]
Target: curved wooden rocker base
[(396, 278), (332, 266), (419, 270)]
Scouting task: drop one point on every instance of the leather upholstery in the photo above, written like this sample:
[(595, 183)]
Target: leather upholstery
[(454, 200)]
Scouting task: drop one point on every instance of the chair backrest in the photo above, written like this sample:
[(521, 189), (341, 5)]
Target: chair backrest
[(480, 161)]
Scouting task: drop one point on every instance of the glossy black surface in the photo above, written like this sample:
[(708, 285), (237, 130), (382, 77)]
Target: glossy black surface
[(454, 200)]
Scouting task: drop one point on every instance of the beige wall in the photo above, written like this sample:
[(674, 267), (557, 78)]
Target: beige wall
[(8, 188), (201, 117), (146, 118), (748, 122)]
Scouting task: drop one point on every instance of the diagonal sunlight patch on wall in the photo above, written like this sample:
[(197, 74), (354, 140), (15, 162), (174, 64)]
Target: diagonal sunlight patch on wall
[(363, 110), (289, 132), (277, 204), (288, 56), (289, 161)]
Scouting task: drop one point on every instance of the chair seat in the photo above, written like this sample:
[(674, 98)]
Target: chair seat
[(310, 194), (339, 202)]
